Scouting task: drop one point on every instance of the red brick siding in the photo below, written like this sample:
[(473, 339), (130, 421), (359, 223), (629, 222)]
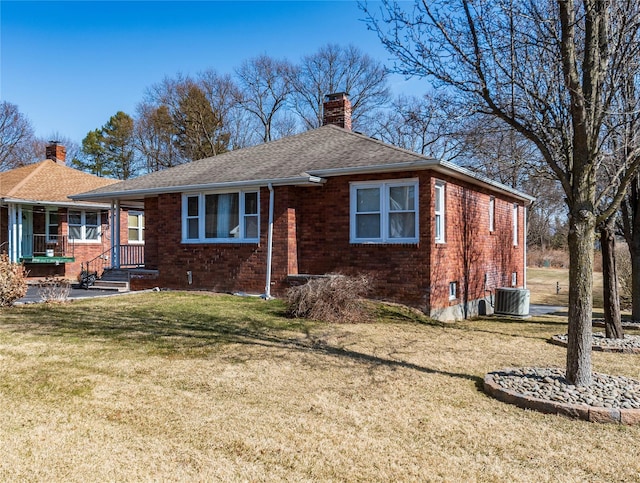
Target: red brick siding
[(311, 236), (470, 250), (4, 230), (397, 271), (224, 267)]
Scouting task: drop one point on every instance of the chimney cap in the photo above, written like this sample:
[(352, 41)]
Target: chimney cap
[(336, 96)]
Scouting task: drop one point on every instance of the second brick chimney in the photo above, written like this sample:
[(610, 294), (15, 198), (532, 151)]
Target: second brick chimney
[(337, 110), (56, 152)]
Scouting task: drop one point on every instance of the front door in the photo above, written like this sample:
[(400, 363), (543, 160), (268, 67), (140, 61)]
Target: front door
[(27, 231)]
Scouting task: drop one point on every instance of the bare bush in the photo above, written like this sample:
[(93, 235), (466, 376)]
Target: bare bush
[(13, 281), (333, 298), (54, 289)]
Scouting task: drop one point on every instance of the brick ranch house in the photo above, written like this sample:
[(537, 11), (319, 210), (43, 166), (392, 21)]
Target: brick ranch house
[(53, 235), (428, 233)]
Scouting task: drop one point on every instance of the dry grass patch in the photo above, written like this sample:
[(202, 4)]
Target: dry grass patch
[(543, 281), (176, 386)]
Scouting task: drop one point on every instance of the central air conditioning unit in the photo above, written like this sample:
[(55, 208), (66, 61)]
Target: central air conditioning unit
[(512, 301)]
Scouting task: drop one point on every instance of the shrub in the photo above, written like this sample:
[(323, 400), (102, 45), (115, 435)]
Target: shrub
[(54, 289), (332, 298), (13, 281)]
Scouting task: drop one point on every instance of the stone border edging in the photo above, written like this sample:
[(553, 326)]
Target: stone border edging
[(587, 413), (625, 324), (555, 340)]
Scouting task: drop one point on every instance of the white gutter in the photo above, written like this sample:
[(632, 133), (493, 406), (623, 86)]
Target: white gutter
[(257, 183), (524, 268), (445, 167), (64, 204), (267, 288)]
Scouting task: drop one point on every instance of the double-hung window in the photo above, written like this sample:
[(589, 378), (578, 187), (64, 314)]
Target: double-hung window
[(384, 212), (439, 212), (136, 227), (52, 226), (515, 224), (220, 217), (492, 213), (84, 225)]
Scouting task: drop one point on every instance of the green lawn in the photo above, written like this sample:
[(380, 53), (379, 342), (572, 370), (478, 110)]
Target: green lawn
[(175, 386)]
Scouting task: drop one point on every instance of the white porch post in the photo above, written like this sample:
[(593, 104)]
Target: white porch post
[(115, 234), (13, 234), (115, 227)]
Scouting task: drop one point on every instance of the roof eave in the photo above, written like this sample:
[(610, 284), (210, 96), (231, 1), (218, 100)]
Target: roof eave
[(444, 167), (65, 204), (308, 180)]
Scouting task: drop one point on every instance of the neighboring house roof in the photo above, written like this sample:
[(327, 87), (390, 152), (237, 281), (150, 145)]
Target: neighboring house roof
[(301, 159), (47, 182)]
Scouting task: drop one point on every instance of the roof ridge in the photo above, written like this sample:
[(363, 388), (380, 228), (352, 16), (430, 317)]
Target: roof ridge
[(28, 177)]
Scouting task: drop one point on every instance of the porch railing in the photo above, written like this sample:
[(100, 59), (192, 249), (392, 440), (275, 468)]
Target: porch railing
[(130, 256), (52, 246)]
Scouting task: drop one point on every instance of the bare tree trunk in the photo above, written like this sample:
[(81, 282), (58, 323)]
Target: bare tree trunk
[(635, 277), (611, 298), (581, 240)]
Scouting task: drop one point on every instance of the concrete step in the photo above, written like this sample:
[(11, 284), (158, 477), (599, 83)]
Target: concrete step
[(115, 275), (116, 285)]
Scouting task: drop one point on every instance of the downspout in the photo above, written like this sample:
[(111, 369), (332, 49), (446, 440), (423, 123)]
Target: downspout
[(524, 268), (267, 288)]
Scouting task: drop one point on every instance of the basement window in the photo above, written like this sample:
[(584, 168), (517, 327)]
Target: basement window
[(384, 212), (453, 290), (220, 217)]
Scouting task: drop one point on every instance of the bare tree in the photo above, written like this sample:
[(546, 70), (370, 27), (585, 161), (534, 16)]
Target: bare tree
[(550, 69), (156, 136), (421, 124), (265, 87), (182, 119), (16, 137), (339, 69)]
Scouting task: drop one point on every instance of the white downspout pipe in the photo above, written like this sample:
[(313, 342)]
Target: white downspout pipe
[(524, 268), (267, 288)]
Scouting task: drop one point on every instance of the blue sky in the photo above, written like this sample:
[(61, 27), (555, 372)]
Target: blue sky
[(70, 65)]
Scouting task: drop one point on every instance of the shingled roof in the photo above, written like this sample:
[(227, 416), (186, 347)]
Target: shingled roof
[(47, 181), (295, 160)]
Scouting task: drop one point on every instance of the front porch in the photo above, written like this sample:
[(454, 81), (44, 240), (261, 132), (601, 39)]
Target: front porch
[(40, 248)]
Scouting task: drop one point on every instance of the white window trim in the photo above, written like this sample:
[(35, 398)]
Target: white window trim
[(140, 227), (83, 227), (201, 218), (48, 225), (383, 186), (515, 224), (492, 213), (441, 226)]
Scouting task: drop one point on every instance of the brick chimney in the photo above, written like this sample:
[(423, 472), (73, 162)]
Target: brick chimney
[(56, 152), (337, 110)]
